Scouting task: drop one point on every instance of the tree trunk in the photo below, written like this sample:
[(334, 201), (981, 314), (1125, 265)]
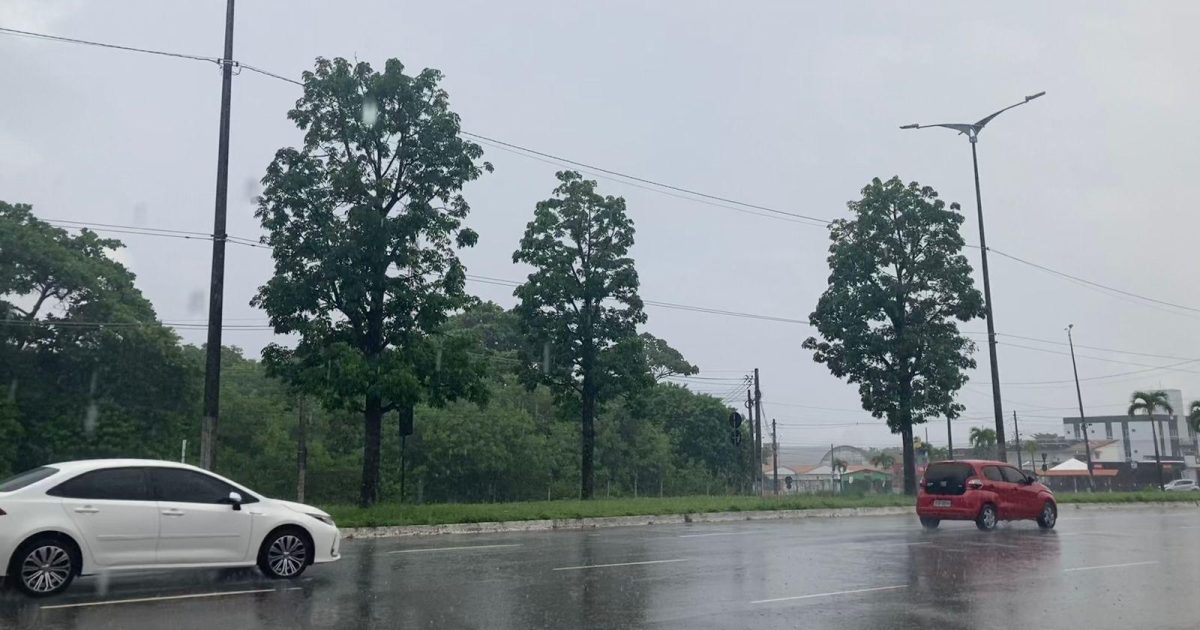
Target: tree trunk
[(301, 451), (587, 418), (1157, 456), (372, 425), (910, 460)]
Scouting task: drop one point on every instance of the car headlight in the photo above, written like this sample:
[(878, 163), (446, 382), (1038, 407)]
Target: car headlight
[(321, 517)]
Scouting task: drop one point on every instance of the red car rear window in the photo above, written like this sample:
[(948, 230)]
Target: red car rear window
[(947, 477)]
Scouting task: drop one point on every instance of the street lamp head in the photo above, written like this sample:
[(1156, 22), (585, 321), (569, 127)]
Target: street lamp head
[(912, 126), (1030, 98)]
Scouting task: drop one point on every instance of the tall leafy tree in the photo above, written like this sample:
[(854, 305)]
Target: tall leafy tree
[(580, 308), (365, 220), (898, 285), (1193, 416), (1148, 403)]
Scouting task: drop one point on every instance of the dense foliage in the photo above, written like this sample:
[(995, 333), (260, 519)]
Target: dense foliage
[(579, 309), (365, 220), (87, 369), (888, 321)]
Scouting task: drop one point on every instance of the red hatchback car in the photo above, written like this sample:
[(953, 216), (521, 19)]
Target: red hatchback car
[(985, 492)]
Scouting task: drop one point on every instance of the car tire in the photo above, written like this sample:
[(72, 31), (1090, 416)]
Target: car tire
[(285, 554), (43, 566), (1048, 516), (929, 522), (987, 517)]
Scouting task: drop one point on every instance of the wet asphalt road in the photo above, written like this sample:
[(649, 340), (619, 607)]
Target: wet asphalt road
[(1119, 569)]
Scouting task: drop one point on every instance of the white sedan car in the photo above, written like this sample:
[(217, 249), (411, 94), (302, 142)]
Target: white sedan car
[(84, 517)]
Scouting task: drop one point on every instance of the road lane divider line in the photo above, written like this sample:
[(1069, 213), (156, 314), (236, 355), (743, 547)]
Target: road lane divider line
[(1111, 566), (618, 564), (992, 544), (453, 548), (831, 594), (165, 598), (745, 533)]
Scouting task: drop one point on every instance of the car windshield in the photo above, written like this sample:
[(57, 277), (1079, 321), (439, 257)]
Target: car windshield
[(16, 482)]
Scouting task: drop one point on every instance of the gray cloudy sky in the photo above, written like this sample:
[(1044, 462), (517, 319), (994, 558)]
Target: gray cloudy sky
[(785, 104)]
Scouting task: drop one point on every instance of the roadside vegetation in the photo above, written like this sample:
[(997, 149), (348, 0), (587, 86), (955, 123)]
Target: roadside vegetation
[(391, 514)]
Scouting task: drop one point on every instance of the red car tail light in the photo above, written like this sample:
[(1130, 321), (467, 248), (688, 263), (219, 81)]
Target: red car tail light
[(974, 484)]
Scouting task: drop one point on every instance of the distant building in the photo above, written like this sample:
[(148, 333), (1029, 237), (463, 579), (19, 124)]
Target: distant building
[(1176, 440)]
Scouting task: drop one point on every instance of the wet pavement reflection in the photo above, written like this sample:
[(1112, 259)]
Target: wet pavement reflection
[(1112, 569)]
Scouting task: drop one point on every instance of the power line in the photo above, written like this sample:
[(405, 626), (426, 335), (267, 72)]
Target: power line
[(1099, 348), (72, 40), (648, 181), (1085, 356), (1091, 283), (534, 152)]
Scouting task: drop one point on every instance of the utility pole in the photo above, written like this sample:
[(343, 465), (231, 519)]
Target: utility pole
[(1082, 418), (301, 449), (216, 288), (758, 429), (1017, 439), (774, 457), (756, 468)]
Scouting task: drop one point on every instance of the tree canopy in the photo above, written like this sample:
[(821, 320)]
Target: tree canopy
[(365, 219), (579, 308), (898, 286), (663, 360), (87, 369)]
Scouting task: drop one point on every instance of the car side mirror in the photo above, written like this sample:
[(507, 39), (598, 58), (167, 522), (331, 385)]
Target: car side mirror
[(235, 499), (1029, 479)]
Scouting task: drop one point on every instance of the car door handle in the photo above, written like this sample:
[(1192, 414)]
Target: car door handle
[(87, 509), (172, 512)]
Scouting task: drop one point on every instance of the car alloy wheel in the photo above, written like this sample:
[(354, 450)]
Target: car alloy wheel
[(287, 555), (46, 569), (987, 517), (1048, 516)]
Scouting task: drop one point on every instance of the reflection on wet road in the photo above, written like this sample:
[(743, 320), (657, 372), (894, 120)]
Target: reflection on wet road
[(1119, 569)]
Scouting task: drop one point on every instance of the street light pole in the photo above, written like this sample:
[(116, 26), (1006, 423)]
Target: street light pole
[(1082, 419), (972, 131)]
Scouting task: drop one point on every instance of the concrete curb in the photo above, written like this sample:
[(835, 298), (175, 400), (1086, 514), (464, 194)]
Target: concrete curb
[(400, 531)]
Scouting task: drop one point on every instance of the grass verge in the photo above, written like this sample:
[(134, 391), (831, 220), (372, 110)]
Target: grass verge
[(389, 514)]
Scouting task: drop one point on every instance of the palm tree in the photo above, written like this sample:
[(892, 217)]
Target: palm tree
[(982, 439), (1194, 415), (1031, 447), (838, 466), (883, 460), (1149, 402)]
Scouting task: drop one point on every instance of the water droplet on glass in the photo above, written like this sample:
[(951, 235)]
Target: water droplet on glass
[(370, 111), (196, 302), (89, 420)]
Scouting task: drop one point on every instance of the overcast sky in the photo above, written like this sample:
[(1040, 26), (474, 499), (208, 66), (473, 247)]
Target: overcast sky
[(794, 106)]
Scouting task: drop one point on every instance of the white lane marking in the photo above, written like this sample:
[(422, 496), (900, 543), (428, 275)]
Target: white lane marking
[(919, 543), (1111, 566), (453, 548), (165, 598), (752, 531), (979, 544), (815, 595), (619, 564)]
